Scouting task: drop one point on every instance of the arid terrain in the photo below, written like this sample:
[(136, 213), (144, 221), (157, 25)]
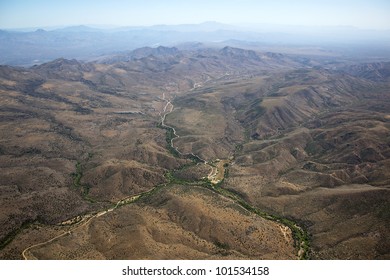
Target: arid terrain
[(208, 153)]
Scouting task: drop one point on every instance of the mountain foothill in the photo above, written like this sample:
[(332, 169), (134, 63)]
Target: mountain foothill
[(96, 162)]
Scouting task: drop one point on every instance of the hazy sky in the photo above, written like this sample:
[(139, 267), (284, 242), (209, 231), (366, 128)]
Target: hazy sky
[(367, 14)]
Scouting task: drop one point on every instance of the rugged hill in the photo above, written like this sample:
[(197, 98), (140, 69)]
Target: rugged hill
[(304, 154), (77, 137), (175, 223), (140, 53), (312, 144), (379, 71)]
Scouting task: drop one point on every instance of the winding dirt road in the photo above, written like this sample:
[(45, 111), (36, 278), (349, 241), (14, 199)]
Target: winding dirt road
[(85, 220)]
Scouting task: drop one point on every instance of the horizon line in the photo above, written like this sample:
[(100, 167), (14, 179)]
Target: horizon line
[(241, 26)]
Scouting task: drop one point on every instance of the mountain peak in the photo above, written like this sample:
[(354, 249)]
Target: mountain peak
[(68, 69), (239, 53), (59, 62), (79, 28)]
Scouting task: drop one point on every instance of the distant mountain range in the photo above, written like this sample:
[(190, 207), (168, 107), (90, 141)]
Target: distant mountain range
[(26, 48)]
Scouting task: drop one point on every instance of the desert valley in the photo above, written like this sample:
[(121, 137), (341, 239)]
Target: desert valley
[(196, 152)]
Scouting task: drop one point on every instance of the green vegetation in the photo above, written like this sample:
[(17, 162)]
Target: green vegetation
[(220, 245), (77, 176), (172, 179), (170, 134), (301, 237), (10, 236), (194, 158)]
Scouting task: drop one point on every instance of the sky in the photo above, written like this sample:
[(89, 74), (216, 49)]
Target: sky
[(364, 14)]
